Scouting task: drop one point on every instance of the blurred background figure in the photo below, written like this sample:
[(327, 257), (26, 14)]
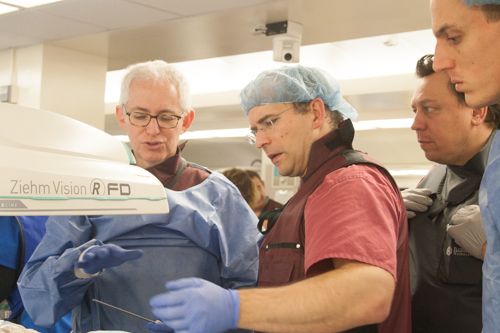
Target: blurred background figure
[(264, 203), (243, 182), (253, 190)]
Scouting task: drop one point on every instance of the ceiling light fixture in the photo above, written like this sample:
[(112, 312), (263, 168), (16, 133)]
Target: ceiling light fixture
[(28, 3), (216, 134), (391, 41), (366, 125), (4, 9), (344, 60)]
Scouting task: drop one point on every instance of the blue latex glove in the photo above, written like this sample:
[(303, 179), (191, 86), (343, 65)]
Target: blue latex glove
[(159, 328), (194, 305), (96, 258)]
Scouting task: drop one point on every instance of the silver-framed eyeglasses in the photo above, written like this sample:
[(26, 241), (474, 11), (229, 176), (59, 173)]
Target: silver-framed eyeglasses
[(142, 119), (266, 125)]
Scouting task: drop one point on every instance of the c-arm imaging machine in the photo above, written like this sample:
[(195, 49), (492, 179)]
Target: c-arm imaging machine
[(51, 164)]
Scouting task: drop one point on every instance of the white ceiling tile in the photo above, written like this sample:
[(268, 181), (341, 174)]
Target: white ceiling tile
[(110, 14), (75, 18), (189, 8), (33, 23), (10, 40)]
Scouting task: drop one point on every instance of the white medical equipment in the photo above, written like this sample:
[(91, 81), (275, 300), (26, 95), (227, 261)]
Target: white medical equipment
[(51, 164)]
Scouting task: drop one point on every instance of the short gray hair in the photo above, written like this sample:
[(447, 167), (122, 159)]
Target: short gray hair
[(158, 70)]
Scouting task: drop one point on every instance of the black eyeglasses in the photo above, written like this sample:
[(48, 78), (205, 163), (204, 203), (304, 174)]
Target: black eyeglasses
[(266, 126), (142, 119)]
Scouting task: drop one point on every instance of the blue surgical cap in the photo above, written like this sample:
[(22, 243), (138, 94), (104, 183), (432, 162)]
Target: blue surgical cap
[(482, 2), (295, 84)]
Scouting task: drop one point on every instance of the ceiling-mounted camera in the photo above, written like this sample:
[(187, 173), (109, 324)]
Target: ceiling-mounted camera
[(287, 38), (286, 49)]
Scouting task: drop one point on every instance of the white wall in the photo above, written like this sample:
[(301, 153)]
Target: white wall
[(73, 84), (57, 79)]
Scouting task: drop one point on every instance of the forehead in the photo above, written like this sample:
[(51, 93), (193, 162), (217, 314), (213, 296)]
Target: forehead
[(152, 90), (154, 96), (261, 111), (454, 14), (434, 87)]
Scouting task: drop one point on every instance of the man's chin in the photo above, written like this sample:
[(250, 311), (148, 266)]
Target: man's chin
[(437, 158), (478, 99), (431, 157), (151, 161)]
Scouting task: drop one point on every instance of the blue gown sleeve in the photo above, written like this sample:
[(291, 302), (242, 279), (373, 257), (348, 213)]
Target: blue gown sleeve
[(489, 197), (238, 237), (48, 286)]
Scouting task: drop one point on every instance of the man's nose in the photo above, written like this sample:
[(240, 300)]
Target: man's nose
[(261, 139), (418, 121), (153, 127), (442, 58)]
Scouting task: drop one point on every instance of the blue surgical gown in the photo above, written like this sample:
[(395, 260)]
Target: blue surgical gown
[(210, 232), (489, 201)]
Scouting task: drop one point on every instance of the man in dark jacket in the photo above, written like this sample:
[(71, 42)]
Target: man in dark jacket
[(447, 237)]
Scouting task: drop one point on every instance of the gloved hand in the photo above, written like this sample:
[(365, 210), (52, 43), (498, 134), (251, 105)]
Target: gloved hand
[(96, 258), (466, 228), (159, 328), (193, 305), (416, 200)]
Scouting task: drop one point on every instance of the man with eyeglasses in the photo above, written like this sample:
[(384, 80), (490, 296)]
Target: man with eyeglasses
[(337, 258), (210, 231), (447, 239), (467, 34)]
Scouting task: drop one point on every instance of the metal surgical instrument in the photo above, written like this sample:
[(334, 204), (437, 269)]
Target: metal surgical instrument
[(127, 312)]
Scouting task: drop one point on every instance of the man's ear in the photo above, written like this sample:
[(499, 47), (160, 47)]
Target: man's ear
[(120, 116), (479, 115), (318, 111), (187, 120)]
